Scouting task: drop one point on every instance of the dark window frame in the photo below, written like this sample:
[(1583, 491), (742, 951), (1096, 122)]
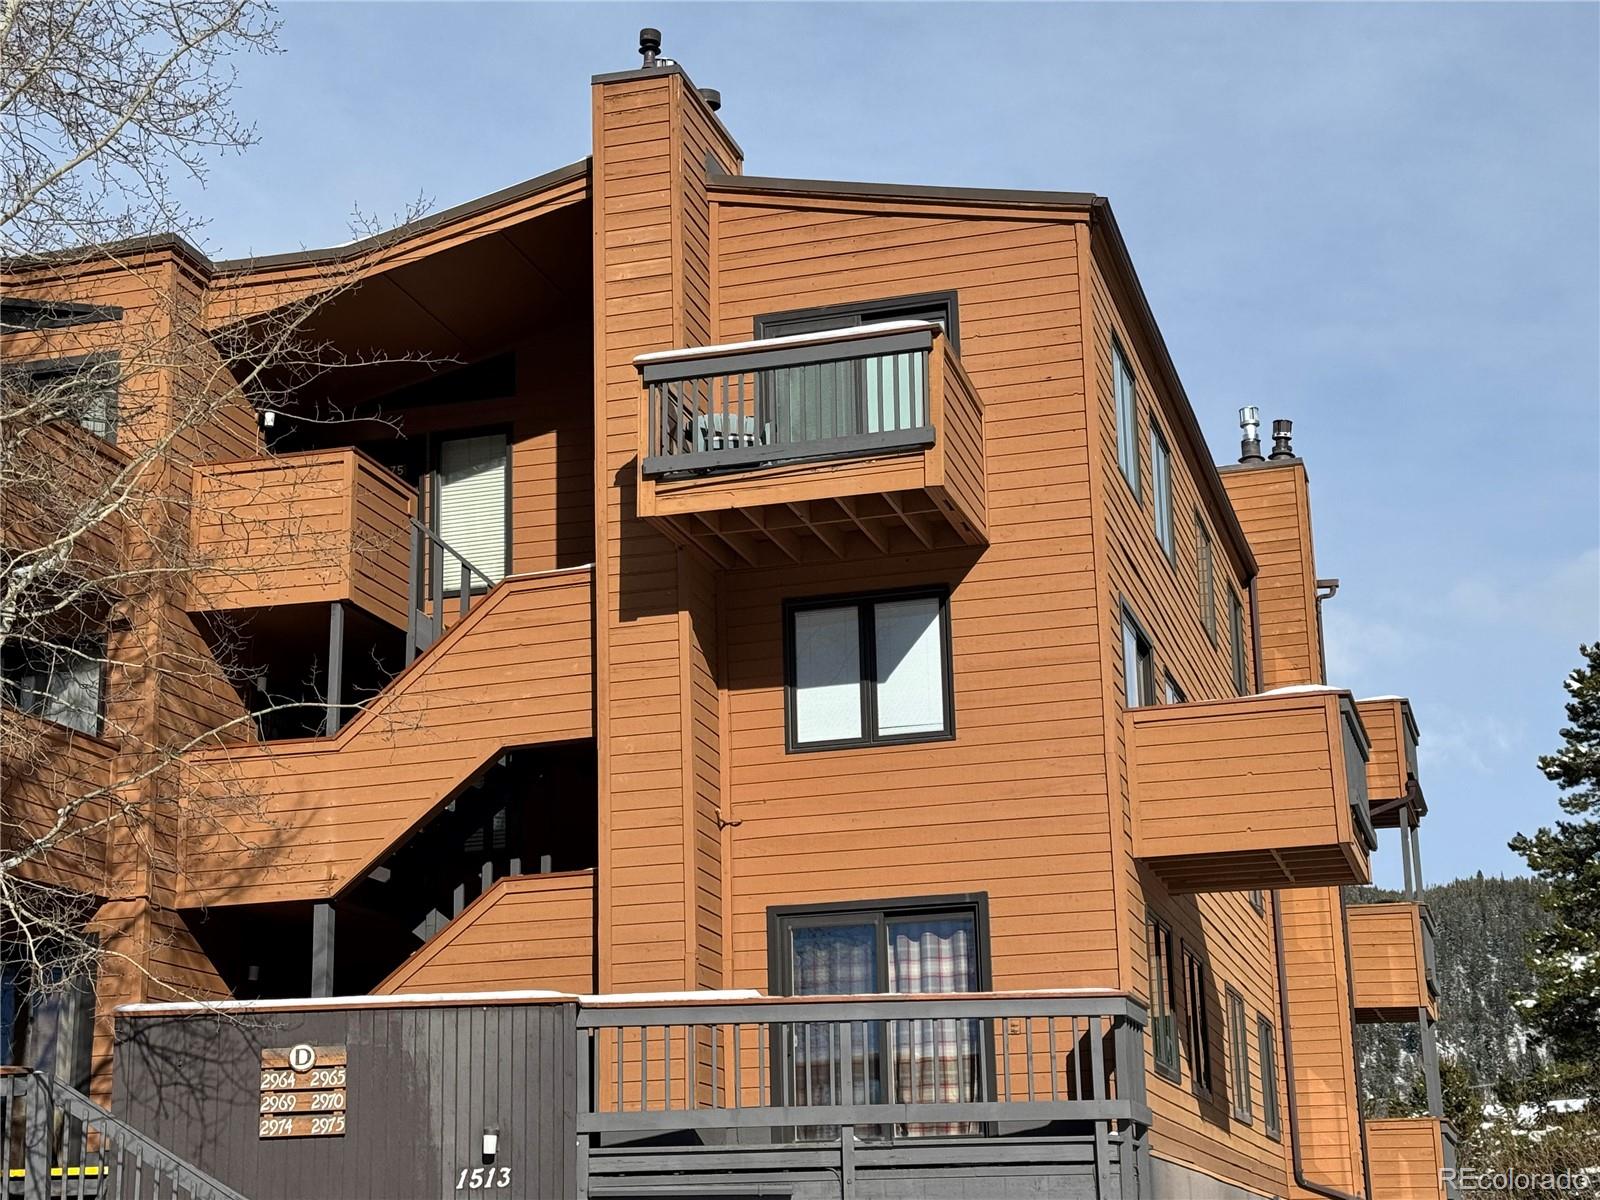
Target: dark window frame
[(1171, 693), (1241, 675), (1146, 656), (1239, 1056), (1166, 1055), (1267, 1048), (1160, 509), (1205, 567), (1130, 470), (1196, 1018), (10, 689), (769, 325), (433, 455), (29, 373), (866, 645), (783, 918)]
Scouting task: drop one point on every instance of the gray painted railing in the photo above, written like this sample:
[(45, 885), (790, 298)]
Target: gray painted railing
[(57, 1144), (829, 1077), (795, 399), (425, 588)]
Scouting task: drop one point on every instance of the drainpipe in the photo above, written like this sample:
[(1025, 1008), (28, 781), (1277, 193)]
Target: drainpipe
[(1255, 634), (1300, 1180)]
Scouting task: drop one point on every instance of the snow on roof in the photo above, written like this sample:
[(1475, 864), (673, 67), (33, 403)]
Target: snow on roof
[(1289, 689), (793, 339)]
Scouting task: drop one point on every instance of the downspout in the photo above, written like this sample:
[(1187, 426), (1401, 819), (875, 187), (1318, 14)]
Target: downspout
[(1355, 1046), (1300, 1180), (1255, 635)]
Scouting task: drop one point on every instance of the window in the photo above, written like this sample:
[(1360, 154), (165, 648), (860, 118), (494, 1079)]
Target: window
[(471, 487), (82, 390), (60, 682), (1127, 417), (1171, 692), (1197, 1020), (1163, 1001), (1267, 1051), (1138, 666), (48, 1028), (868, 670), (1161, 474), (1241, 682), (1258, 901), (1206, 567), (932, 945), (882, 394), (1239, 1052)]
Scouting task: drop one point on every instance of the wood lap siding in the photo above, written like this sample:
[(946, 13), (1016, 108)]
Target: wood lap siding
[(1319, 1006), (527, 931), (1406, 1156), (1274, 506), (1014, 806), (656, 629), (308, 815), (1387, 768), (1164, 594), (69, 767)]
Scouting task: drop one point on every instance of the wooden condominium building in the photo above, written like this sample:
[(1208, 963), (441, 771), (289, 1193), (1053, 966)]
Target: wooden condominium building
[(728, 685)]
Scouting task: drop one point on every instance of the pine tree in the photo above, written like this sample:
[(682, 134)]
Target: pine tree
[(1564, 1008)]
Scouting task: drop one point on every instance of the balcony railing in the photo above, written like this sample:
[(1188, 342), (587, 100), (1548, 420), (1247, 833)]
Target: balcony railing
[(813, 396), (757, 1087)]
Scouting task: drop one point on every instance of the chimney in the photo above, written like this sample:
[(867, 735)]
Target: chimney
[(1250, 443), (1281, 433), (650, 46)]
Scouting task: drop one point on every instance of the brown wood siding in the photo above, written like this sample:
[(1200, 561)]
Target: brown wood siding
[(659, 739), (1407, 1155), (1322, 1030), (300, 819), (527, 931), (1386, 962), (1165, 597), (1389, 767), (302, 529), (1274, 505), (1014, 806), (52, 764)]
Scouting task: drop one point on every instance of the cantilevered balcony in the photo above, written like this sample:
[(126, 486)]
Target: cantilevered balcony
[(1392, 779), (1412, 1158), (1391, 962), (821, 446), (1264, 791), (313, 528)]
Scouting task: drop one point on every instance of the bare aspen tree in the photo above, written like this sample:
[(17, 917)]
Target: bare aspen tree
[(122, 371)]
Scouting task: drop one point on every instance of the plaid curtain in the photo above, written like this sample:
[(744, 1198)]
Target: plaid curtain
[(836, 1064), (935, 1061)]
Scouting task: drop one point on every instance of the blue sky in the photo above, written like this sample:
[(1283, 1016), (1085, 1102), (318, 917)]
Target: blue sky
[(1382, 221)]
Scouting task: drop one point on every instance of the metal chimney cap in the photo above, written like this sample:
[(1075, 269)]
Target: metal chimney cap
[(649, 45), (1282, 433), (712, 97)]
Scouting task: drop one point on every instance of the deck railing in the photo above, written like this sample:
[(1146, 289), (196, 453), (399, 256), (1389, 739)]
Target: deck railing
[(432, 559), (836, 394), (57, 1144), (823, 1077), (1430, 969)]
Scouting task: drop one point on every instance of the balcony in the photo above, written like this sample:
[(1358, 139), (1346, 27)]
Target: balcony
[(1264, 791), (309, 528), (773, 1095), (1392, 766), (822, 446), (72, 472), (1391, 962), (1410, 1156)]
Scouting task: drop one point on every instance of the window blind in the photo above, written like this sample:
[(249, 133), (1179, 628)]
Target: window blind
[(472, 505)]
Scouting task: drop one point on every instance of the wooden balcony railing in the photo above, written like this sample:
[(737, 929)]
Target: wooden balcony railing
[(329, 525), (1412, 1158), (1265, 791), (755, 1087), (816, 445)]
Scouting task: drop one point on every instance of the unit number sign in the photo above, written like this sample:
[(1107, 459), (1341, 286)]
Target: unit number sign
[(303, 1091)]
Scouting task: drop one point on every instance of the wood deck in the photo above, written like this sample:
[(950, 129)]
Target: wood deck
[(1388, 963)]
